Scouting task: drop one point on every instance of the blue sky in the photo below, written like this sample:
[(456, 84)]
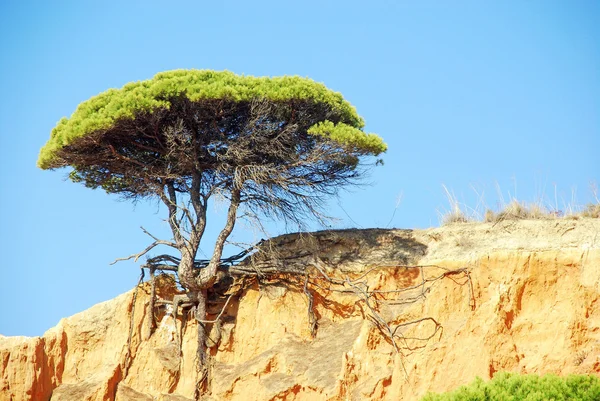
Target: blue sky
[(470, 94)]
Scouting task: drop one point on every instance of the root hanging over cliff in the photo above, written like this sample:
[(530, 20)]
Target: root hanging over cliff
[(310, 264)]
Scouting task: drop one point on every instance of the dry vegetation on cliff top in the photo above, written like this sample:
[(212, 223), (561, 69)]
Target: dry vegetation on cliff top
[(516, 209)]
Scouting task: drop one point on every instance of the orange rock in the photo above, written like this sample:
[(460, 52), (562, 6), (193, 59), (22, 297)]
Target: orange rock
[(532, 306)]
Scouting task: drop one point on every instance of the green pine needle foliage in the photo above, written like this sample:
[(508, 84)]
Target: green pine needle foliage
[(104, 110), (349, 135), (515, 387)]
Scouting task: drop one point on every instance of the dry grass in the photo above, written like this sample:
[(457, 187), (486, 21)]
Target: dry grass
[(516, 210), (455, 214), (591, 210), (454, 217)]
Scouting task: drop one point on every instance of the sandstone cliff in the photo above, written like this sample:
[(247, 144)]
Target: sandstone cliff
[(528, 301)]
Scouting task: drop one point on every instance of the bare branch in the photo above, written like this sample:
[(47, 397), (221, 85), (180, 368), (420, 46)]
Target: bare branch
[(168, 243), (136, 256)]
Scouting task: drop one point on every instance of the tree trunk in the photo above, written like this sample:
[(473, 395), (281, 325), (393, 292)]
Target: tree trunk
[(185, 270), (208, 275)]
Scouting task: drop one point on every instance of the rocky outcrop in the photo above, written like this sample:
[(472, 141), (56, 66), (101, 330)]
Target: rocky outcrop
[(532, 305)]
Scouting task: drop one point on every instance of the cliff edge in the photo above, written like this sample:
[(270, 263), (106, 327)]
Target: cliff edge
[(442, 306)]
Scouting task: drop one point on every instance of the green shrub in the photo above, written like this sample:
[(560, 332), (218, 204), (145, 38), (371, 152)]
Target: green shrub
[(515, 387)]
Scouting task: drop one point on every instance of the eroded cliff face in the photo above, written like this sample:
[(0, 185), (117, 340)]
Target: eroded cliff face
[(532, 305)]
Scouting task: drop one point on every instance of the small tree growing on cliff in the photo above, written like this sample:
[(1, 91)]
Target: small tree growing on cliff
[(276, 146)]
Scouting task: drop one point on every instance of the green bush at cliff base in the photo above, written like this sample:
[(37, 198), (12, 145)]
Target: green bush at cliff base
[(515, 387)]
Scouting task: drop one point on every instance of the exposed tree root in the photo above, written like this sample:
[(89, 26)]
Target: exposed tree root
[(126, 364), (151, 324), (305, 272), (374, 299), (312, 317)]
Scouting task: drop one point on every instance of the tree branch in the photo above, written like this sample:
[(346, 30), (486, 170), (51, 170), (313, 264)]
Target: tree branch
[(136, 256)]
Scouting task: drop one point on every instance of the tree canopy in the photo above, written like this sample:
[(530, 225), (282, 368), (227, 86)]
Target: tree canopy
[(107, 110), (288, 138)]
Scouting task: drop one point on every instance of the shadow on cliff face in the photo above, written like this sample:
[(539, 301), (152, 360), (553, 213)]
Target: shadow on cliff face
[(347, 250)]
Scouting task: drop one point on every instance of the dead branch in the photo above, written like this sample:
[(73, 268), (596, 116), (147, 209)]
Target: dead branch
[(156, 243)]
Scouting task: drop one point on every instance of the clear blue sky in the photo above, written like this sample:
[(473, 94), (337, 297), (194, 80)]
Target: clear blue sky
[(466, 94)]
